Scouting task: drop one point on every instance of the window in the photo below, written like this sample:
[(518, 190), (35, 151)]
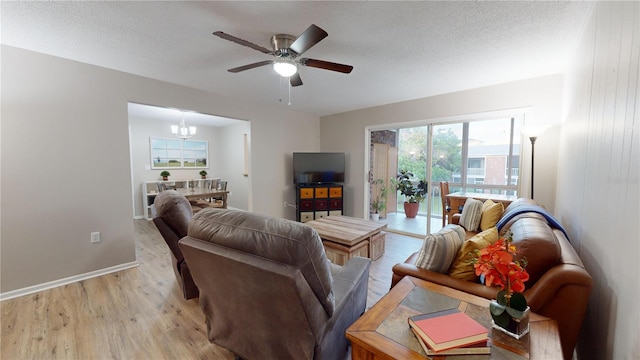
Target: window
[(493, 149), (178, 153), (489, 148)]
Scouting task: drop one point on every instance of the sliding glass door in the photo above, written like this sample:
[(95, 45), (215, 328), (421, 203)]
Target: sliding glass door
[(477, 156), (446, 160)]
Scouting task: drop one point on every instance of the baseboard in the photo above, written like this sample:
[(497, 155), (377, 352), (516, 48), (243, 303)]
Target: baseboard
[(69, 280)]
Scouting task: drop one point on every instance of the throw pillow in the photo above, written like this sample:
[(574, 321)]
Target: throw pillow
[(471, 214), (462, 268), (439, 249), (491, 214)]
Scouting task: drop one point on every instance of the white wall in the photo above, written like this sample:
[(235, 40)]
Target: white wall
[(225, 158), (598, 177), (66, 168), (541, 96)]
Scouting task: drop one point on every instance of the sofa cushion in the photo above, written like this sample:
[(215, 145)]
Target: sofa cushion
[(471, 214), (491, 214), (462, 267), (439, 249), (528, 215), (536, 242)]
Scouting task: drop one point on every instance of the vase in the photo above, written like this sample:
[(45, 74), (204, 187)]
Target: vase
[(411, 209), (512, 322)]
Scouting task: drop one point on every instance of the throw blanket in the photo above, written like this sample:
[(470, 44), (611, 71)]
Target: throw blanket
[(531, 208)]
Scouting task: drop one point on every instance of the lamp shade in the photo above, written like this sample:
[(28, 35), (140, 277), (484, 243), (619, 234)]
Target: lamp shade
[(534, 129), (285, 68)]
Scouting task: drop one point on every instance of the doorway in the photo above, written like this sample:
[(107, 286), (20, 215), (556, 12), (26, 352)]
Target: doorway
[(227, 146), (394, 151)]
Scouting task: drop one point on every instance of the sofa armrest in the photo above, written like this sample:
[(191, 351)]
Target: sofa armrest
[(352, 274), (350, 284), (562, 294)]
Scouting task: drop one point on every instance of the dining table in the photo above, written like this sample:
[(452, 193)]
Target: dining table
[(196, 193), (456, 200)]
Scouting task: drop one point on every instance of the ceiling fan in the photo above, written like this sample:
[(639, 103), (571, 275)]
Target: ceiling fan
[(287, 49)]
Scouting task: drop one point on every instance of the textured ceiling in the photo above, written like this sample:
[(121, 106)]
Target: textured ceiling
[(399, 50)]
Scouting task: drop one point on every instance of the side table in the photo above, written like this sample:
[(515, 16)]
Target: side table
[(383, 332)]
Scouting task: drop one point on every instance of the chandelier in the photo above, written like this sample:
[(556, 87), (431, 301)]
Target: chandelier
[(182, 131)]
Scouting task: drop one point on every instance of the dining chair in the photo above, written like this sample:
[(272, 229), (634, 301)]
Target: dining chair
[(444, 191), (161, 186)]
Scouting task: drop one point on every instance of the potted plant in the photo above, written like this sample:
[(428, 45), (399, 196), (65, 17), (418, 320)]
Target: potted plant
[(413, 194), (165, 175), (379, 203), (203, 174)]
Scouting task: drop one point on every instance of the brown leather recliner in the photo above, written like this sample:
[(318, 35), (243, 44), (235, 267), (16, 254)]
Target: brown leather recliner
[(267, 288), (172, 220)]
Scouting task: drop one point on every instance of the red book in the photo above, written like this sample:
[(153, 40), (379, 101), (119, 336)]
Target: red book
[(448, 329), (481, 348)]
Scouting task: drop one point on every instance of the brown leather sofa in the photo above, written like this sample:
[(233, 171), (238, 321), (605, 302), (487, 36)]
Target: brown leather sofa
[(267, 288), (559, 286), (173, 214)]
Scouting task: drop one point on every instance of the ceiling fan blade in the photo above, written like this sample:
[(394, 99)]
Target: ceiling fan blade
[(250, 66), (309, 37), (326, 65), (236, 40), (295, 80)]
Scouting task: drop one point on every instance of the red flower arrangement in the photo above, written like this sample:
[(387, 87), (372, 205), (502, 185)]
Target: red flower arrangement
[(496, 263)]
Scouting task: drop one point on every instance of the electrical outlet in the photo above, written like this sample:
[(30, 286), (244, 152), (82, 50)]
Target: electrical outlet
[(95, 237)]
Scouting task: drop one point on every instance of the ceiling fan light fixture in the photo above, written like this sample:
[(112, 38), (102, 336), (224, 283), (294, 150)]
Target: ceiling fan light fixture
[(285, 68)]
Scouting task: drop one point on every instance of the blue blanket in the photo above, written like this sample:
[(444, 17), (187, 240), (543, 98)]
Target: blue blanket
[(531, 208)]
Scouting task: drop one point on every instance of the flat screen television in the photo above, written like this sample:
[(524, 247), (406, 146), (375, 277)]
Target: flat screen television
[(318, 167)]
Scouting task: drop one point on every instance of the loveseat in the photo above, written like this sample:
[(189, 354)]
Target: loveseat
[(559, 286)]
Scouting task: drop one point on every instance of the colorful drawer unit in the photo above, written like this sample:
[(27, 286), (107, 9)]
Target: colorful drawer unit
[(315, 201)]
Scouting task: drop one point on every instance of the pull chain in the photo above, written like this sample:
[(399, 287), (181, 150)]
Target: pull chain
[(289, 88)]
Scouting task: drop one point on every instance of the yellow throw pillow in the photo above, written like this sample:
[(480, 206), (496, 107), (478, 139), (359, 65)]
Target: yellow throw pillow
[(462, 268), (491, 214)]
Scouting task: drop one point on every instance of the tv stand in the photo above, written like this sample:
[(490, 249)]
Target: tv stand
[(315, 201)]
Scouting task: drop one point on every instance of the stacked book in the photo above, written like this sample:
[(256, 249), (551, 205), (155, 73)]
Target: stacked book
[(450, 332)]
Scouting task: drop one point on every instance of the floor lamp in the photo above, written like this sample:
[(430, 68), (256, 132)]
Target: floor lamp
[(532, 132), (533, 146)]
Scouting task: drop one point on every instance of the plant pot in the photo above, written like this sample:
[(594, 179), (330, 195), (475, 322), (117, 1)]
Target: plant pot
[(375, 217), (165, 178), (204, 176), (411, 209), (510, 321)]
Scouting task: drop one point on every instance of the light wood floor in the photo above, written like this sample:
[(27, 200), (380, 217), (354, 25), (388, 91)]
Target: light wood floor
[(137, 313)]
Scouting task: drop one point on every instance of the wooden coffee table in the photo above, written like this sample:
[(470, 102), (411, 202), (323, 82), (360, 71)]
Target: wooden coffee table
[(383, 332), (344, 237)]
